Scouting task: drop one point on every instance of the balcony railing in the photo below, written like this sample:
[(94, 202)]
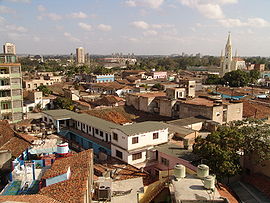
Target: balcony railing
[(16, 110), (19, 97), (15, 86), (4, 87), (15, 75), (6, 111), (4, 75), (7, 98)]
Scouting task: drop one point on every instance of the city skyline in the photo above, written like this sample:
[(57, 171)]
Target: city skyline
[(143, 27)]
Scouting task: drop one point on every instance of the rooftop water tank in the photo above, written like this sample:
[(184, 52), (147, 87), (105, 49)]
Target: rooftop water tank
[(179, 171), (209, 182), (62, 148), (202, 171)]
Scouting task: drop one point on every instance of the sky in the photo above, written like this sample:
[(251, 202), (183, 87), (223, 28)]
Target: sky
[(136, 26)]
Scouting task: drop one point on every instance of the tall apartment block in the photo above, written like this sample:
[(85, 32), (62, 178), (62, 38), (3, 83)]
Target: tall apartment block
[(9, 48), (80, 55), (11, 99)]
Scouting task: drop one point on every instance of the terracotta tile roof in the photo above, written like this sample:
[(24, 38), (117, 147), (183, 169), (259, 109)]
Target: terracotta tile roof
[(28, 198), (225, 192), (16, 144), (109, 100), (73, 189), (108, 85), (199, 101), (121, 171), (151, 94), (255, 110)]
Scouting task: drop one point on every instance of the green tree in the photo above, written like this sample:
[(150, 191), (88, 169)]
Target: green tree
[(44, 89), (220, 151), (63, 103), (213, 80), (223, 148), (254, 76), (237, 78), (157, 86)]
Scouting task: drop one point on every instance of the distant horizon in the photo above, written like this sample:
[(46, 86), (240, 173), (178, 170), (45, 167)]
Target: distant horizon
[(145, 27)]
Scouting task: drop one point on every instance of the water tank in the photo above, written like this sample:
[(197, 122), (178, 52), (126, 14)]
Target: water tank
[(209, 182), (62, 148), (202, 171), (179, 171)]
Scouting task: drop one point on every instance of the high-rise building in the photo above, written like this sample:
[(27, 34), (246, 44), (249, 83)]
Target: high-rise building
[(11, 99), (80, 56), (9, 48)]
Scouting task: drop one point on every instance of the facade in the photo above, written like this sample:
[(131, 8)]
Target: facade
[(129, 143), (11, 98), (9, 48), (80, 55), (33, 84), (34, 100), (228, 62), (102, 78)]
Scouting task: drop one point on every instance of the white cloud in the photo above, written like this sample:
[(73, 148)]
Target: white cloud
[(16, 28), (36, 39), (80, 15), (150, 33), (20, 1), (140, 24), (85, 26), (2, 19), (41, 8), (53, 16), (154, 4), (160, 26), (212, 11), (104, 28), (4, 9), (71, 38), (251, 22)]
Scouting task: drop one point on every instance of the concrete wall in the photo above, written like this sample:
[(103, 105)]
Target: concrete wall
[(234, 112), (132, 100), (165, 107), (5, 159)]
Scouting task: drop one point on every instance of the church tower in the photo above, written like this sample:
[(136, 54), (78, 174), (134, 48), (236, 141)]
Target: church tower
[(226, 61)]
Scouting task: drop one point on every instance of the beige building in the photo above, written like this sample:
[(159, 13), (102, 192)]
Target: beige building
[(33, 84), (11, 99), (218, 111), (80, 55)]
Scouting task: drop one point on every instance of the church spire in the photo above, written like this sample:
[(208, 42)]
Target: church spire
[(229, 41)]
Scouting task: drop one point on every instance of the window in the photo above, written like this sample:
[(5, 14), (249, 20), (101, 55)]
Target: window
[(155, 136), (89, 129), (136, 156), (119, 154), (101, 134), (115, 136), (29, 86), (97, 131), (45, 119), (135, 140), (164, 161)]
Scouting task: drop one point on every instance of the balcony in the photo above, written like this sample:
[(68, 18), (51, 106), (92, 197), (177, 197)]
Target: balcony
[(19, 97), (7, 98), (16, 86), (3, 111), (5, 87), (15, 75), (4, 75), (16, 110)]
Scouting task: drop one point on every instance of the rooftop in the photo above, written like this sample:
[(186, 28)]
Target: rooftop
[(73, 189), (192, 188), (150, 94), (131, 129), (27, 198), (200, 102), (187, 121)]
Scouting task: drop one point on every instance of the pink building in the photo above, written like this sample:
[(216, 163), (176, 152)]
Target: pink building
[(159, 74)]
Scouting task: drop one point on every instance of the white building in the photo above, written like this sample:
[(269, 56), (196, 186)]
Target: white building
[(80, 55), (129, 143), (9, 48)]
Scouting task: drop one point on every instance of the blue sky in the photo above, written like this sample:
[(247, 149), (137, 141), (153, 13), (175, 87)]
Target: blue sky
[(136, 26)]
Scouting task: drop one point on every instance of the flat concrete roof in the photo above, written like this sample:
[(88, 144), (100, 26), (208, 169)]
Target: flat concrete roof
[(192, 188), (176, 151), (187, 121)]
